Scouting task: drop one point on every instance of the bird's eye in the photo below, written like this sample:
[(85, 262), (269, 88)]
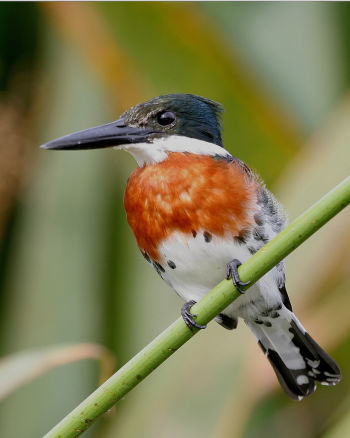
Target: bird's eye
[(166, 118)]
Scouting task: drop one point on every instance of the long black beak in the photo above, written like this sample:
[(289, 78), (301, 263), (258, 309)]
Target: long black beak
[(103, 136)]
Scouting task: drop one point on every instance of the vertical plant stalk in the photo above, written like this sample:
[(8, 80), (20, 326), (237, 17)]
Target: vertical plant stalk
[(207, 308)]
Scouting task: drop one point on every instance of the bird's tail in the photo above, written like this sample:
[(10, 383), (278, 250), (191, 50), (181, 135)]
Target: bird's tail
[(297, 359)]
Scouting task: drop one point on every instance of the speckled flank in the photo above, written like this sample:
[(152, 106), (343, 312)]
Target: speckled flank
[(171, 264), (207, 236)]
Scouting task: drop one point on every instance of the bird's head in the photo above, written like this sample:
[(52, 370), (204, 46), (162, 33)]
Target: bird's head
[(149, 130)]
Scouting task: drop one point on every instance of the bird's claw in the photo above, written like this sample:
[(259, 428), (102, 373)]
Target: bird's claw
[(188, 317), (232, 272)]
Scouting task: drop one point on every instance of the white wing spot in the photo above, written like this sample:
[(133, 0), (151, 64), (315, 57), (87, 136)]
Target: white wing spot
[(313, 363), (302, 380)]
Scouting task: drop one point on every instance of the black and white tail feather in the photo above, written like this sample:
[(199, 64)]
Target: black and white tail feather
[(298, 361)]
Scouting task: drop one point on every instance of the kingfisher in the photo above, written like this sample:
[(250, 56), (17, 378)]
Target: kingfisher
[(197, 213)]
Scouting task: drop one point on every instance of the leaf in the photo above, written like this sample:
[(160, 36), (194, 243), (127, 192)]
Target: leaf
[(19, 368)]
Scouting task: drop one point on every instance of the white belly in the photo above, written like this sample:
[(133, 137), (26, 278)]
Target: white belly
[(194, 265)]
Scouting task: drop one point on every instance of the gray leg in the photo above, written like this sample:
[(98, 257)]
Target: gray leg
[(232, 272), (188, 317)]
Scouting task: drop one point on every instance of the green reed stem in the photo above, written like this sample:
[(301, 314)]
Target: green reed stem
[(140, 366)]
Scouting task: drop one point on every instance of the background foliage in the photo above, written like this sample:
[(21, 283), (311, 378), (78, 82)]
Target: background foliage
[(73, 284)]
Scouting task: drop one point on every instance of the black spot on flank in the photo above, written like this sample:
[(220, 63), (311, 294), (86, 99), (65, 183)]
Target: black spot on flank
[(207, 236), (194, 233), (146, 256), (258, 219), (171, 264), (159, 266), (258, 321), (278, 307), (267, 324), (239, 240), (251, 250), (258, 235), (274, 314), (242, 237)]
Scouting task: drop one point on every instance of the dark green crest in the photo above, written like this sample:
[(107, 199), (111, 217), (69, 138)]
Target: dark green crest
[(195, 116)]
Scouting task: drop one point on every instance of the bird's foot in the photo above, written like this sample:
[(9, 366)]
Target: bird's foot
[(188, 317), (232, 272)]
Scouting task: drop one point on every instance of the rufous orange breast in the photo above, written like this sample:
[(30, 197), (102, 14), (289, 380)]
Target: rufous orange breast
[(187, 193)]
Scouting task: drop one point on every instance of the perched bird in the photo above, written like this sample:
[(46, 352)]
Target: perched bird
[(197, 213)]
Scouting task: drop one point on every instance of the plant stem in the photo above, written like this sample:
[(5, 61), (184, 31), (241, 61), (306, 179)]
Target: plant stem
[(207, 308)]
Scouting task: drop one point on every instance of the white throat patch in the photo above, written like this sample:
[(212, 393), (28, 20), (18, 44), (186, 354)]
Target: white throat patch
[(157, 151)]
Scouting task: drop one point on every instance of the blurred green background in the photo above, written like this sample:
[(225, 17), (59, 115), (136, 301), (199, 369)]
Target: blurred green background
[(73, 283)]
